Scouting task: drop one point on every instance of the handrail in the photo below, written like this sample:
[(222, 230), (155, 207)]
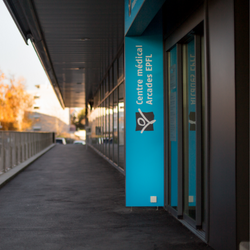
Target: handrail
[(17, 147)]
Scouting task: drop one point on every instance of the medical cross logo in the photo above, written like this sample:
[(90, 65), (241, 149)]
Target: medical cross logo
[(144, 121)]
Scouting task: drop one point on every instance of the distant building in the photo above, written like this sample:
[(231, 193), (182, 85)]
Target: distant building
[(47, 113)]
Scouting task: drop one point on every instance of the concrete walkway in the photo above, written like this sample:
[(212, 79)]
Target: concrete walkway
[(71, 198)]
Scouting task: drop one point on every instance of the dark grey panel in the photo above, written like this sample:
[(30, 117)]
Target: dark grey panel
[(176, 12), (242, 115), (144, 17), (65, 23), (222, 231)]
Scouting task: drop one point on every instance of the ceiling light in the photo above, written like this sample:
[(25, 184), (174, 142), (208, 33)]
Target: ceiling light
[(80, 68), (84, 39)]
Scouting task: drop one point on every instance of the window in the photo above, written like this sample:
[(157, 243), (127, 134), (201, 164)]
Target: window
[(115, 73), (111, 127), (115, 129), (120, 71), (107, 118), (186, 121), (111, 78), (107, 112), (189, 127), (121, 126), (37, 128), (107, 85), (173, 126)]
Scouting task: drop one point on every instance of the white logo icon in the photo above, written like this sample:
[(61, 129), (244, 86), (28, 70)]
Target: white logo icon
[(143, 121)]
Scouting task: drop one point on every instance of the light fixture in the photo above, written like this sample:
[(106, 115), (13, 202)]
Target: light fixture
[(84, 39), (80, 68)]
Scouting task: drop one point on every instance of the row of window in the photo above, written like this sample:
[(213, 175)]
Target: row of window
[(113, 77), (107, 126)]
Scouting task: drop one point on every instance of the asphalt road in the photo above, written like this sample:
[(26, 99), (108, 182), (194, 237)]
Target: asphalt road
[(71, 198)]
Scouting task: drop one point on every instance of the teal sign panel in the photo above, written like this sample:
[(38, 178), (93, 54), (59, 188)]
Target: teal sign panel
[(145, 117), (131, 9)]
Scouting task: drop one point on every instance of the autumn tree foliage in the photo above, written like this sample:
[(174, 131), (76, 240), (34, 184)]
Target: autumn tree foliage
[(14, 104)]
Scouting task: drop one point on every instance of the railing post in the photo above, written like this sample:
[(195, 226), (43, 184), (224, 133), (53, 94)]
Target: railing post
[(1, 154), (4, 153), (17, 150), (10, 150), (7, 154), (26, 146), (21, 147), (17, 147)]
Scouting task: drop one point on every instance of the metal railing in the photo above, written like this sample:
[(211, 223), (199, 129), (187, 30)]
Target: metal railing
[(17, 147)]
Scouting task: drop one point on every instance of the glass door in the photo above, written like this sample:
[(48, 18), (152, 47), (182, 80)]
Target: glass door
[(189, 128), (173, 127), (193, 129), (186, 129)]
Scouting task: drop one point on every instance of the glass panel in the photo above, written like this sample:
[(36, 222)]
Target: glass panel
[(189, 124), (98, 129), (173, 127), (121, 65), (107, 127), (115, 117), (102, 91), (115, 73), (121, 126), (107, 85), (203, 128), (111, 127), (110, 79), (102, 127), (104, 87)]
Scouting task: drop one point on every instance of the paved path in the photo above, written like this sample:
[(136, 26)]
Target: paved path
[(71, 198)]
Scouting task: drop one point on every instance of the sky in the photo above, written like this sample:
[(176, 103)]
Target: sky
[(17, 58)]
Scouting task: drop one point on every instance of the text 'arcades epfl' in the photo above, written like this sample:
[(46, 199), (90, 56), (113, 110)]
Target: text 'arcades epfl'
[(144, 64)]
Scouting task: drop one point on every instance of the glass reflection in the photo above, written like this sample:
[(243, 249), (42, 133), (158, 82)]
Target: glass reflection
[(111, 127), (107, 119), (115, 129), (189, 124), (107, 128), (173, 127), (121, 126)]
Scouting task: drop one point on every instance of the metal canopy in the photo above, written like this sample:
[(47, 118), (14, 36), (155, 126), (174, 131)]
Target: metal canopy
[(76, 41)]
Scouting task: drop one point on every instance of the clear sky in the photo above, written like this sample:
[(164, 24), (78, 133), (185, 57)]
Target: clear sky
[(17, 58)]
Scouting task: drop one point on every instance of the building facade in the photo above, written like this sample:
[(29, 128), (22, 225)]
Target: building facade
[(47, 113), (166, 88), (173, 112)]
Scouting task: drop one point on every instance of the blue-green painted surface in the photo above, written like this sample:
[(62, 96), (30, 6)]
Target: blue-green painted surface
[(144, 117), (131, 9)]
